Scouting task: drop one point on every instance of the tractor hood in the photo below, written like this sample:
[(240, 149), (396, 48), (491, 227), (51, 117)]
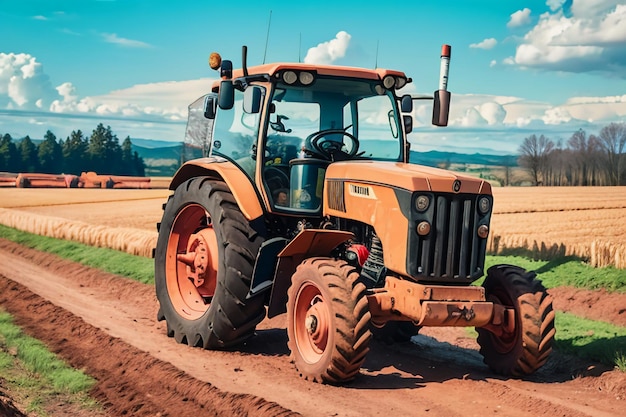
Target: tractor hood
[(410, 177)]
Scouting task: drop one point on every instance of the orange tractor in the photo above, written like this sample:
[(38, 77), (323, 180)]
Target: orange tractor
[(303, 201)]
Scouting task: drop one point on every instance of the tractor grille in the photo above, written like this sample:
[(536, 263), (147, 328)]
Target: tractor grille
[(336, 200), (452, 251)]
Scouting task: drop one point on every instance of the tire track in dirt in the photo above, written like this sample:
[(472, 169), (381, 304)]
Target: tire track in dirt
[(129, 381)]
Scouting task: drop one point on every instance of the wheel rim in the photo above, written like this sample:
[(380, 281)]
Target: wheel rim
[(311, 322), (191, 262)]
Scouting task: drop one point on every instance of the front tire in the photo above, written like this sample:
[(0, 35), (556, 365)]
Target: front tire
[(203, 266), (525, 349), (328, 320)]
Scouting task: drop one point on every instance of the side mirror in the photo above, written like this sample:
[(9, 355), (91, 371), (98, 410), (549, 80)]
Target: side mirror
[(407, 120), (226, 98), (441, 108), (209, 106), (252, 98), (226, 69), (406, 104)]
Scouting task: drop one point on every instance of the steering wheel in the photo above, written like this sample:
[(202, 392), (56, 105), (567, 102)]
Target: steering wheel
[(331, 149), (275, 177)]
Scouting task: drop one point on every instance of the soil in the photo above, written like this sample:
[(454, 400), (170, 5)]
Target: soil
[(106, 325)]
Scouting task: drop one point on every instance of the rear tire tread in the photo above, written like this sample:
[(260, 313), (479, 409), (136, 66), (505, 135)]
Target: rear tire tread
[(230, 318)]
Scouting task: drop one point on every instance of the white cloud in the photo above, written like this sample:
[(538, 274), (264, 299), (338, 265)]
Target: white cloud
[(555, 4), (556, 115), (30, 105), (26, 91), (23, 84), (590, 39), (519, 18), (330, 51), (492, 112), (485, 44), (472, 117), (582, 8), (130, 43), (592, 109)]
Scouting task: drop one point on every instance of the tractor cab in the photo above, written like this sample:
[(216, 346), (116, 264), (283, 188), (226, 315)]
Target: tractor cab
[(284, 124)]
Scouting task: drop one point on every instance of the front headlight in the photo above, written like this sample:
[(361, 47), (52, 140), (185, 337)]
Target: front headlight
[(290, 77), (306, 78), (421, 203), (484, 205), (389, 81)]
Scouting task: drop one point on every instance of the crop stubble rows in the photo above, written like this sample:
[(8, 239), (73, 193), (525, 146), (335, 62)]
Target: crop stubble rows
[(582, 221)]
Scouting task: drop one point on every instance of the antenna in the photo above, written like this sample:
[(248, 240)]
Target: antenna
[(300, 48), (376, 62), (267, 37)]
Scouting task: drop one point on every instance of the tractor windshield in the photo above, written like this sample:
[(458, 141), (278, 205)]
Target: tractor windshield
[(357, 116)]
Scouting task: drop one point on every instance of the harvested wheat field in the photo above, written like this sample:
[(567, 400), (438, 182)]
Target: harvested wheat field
[(589, 222)]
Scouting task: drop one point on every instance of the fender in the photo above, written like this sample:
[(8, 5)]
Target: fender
[(222, 169), (306, 244)]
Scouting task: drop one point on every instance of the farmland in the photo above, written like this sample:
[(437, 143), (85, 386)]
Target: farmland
[(583, 221), (75, 309)]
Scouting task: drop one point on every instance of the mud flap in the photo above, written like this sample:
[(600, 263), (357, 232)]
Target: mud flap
[(265, 265)]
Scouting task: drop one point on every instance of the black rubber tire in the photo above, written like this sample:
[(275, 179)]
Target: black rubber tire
[(527, 348), (230, 318), (348, 317), (395, 332)]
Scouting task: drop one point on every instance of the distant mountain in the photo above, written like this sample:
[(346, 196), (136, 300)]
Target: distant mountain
[(164, 152), (436, 158), (163, 158), (152, 143)]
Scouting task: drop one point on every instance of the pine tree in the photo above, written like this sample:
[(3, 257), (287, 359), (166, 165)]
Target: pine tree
[(97, 148), (75, 153), (9, 155), (28, 153), (50, 154)]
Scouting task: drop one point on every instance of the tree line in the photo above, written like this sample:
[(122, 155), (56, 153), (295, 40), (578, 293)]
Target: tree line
[(101, 152), (584, 160)]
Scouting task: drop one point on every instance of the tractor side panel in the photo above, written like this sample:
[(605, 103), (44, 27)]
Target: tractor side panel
[(376, 205)]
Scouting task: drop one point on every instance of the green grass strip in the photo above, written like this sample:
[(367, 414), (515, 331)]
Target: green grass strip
[(38, 359), (567, 271), (591, 339), (37, 376), (136, 267)]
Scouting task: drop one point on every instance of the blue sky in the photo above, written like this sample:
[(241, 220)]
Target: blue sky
[(518, 67)]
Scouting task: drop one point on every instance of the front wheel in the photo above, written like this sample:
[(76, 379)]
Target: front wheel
[(328, 320), (527, 347)]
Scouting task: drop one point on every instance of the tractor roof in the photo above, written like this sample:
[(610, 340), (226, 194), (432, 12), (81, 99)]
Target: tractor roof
[(331, 70)]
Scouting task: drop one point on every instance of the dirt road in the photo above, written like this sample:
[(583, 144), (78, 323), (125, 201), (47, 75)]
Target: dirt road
[(107, 326)]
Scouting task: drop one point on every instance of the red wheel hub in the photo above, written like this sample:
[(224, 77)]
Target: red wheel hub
[(197, 259), (311, 323), (192, 262), (316, 325)]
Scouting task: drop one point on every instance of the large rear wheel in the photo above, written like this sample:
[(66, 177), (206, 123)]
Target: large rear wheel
[(328, 320), (526, 347), (203, 266)]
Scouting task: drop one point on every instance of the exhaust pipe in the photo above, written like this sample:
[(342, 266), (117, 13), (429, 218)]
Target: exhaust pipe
[(441, 105)]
